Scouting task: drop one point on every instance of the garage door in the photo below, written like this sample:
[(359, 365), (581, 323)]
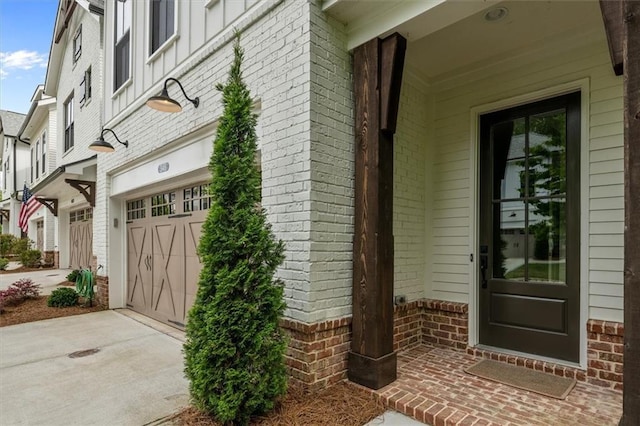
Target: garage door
[(80, 238), (163, 232)]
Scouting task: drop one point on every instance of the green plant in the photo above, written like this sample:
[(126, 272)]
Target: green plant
[(21, 245), (30, 258), (234, 351), (62, 297), (4, 262), (73, 275), (7, 241)]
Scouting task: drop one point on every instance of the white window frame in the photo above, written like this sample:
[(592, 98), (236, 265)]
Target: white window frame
[(68, 116), (118, 35), (153, 54), (77, 44)]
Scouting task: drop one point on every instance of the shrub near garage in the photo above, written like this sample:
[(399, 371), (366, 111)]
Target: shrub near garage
[(22, 289), (62, 297), (30, 258), (4, 262)]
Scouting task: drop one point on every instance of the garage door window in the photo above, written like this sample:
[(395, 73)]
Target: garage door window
[(163, 204), (136, 209), (80, 215), (196, 198)]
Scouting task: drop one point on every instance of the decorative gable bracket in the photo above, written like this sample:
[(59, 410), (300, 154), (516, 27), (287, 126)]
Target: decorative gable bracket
[(86, 188), (4, 213), (51, 204)]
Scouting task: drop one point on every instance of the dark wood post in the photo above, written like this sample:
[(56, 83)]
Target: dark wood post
[(631, 61), (378, 66)]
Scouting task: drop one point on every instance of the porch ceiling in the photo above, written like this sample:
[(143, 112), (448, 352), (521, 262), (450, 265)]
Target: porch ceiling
[(473, 41), (450, 36)]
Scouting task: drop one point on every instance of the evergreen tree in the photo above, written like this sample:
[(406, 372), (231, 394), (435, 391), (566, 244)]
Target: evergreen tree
[(234, 350)]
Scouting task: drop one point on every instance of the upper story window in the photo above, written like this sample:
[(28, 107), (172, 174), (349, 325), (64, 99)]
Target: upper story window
[(68, 124), (85, 87), (122, 41), (162, 22), (77, 44), (4, 174), (44, 151), (37, 159)]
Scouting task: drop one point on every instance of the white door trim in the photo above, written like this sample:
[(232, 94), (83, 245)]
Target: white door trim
[(582, 85)]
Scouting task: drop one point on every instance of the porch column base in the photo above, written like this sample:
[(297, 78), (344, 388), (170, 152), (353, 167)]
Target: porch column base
[(373, 373)]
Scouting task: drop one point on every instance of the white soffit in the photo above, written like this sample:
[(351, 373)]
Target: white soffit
[(414, 19)]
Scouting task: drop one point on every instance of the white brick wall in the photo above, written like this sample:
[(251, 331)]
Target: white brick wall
[(277, 73), (410, 189)]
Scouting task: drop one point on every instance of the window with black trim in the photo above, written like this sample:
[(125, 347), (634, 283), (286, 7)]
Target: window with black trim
[(44, 151), (68, 124), (37, 159), (121, 54), (77, 44), (85, 87), (162, 22)]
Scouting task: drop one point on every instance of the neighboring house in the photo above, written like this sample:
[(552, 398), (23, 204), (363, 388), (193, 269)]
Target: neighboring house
[(14, 154), (74, 80), (502, 108), (39, 127)]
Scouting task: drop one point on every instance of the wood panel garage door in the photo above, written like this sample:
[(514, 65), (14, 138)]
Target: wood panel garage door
[(80, 238), (163, 232)]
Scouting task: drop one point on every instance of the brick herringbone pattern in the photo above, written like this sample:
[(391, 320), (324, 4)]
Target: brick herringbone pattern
[(432, 387)]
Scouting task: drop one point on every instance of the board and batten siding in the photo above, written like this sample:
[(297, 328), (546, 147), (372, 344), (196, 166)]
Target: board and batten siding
[(451, 240), (197, 22)]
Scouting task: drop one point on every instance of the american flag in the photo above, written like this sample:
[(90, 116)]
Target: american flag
[(29, 206)]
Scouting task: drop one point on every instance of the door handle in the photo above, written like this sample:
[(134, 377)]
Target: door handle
[(484, 264)]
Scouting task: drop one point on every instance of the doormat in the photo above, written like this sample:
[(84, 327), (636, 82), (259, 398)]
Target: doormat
[(523, 378)]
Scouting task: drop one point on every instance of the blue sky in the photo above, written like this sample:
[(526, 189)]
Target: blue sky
[(25, 38)]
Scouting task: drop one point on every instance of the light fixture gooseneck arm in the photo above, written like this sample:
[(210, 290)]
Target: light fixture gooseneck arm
[(125, 143), (195, 101)]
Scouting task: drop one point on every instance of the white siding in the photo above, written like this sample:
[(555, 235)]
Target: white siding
[(452, 180)]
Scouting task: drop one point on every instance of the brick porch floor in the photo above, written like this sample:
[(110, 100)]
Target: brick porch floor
[(433, 388)]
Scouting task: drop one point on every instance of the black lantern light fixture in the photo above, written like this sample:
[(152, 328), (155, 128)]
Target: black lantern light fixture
[(165, 103), (101, 145)]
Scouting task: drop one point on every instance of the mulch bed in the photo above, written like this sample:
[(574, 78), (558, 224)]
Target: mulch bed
[(341, 404), (36, 309), (25, 269)]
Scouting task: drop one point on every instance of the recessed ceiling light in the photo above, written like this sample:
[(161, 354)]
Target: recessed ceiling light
[(496, 14)]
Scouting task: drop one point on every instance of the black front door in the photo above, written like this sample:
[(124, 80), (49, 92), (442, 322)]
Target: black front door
[(529, 263)]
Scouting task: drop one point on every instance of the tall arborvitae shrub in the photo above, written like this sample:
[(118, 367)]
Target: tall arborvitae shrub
[(235, 349)]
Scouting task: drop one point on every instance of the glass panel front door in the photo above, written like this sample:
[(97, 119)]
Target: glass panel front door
[(529, 228)]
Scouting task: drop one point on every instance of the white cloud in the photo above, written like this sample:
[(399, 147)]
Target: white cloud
[(20, 60)]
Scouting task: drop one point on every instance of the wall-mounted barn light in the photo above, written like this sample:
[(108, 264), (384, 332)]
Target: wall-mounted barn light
[(164, 103), (101, 145)]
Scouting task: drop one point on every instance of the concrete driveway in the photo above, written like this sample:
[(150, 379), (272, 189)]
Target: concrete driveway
[(135, 377), (47, 278)]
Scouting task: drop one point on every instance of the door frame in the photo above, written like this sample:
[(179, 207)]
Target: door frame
[(581, 85)]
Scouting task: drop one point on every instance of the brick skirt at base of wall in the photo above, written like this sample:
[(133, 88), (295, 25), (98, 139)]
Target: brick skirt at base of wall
[(317, 354), (102, 290)]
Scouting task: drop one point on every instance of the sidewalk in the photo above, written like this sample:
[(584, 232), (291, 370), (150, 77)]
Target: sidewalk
[(47, 278)]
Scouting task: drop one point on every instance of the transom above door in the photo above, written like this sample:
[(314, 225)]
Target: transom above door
[(529, 263)]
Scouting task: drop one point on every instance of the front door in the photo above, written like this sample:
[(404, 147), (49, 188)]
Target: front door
[(529, 263)]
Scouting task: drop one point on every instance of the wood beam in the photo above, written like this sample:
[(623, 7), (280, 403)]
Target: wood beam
[(612, 11), (86, 188), (631, 367), (377, 68), (50, 203)]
